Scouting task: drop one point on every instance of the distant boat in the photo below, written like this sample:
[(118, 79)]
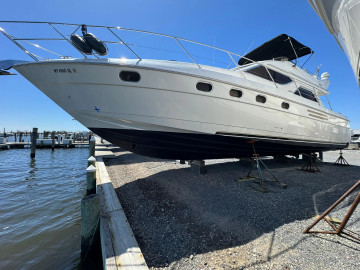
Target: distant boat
[(342, 19), (178, 110)]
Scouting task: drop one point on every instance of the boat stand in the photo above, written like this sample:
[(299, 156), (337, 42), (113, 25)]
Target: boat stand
[(341, 161), (339, 229), (257, 162), (310, 166)]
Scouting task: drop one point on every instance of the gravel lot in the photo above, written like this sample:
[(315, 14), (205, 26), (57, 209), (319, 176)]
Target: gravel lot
[(191, 221)]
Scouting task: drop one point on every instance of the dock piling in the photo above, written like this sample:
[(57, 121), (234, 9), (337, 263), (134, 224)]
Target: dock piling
[(33, 142), (90, 210), (92, 147), (53, 140), (91, 180), (91, 161)]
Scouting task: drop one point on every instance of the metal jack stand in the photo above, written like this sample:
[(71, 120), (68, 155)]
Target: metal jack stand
[(310, 166), (341, 161), (338, 230), (257, 162)]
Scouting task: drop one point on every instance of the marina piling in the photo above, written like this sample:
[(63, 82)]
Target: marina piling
[(92, 147), (53, 140), (91, 180), (33, 142), (91, 161), (90, 210)]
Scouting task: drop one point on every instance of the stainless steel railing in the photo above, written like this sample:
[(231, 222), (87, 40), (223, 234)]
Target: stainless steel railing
[(120, 40), (55, 25)]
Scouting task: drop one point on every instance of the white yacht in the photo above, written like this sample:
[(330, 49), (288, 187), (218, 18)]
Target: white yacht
[(342, 19), (180, 110)]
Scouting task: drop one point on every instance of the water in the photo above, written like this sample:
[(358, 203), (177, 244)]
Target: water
[(40, 208)]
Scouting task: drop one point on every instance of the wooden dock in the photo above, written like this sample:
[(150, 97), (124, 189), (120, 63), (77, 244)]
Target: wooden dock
[(118, 244), (119, 247), (103, 149), (46, 139), (18, 145), (11, 145)]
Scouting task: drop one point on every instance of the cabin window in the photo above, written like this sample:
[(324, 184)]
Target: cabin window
[(305, 94), (235, 93), (260, 99), (263, 73), (205, 87), (129, 76), (285, 105)]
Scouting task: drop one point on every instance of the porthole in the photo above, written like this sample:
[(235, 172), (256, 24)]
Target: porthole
[(260, 99), (235, 93), (285, 105), (205, 87), (129, 76)]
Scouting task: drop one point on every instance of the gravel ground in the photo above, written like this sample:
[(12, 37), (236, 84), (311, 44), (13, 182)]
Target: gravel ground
[(191, 221)]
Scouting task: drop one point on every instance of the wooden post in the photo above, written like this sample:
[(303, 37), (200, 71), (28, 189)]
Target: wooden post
[(20, 137), (91, 180), (15, 136), (198, 167), (91, 161), (53, 140), (90, 209), (33, 142), (321, 156), (92, 147), (4, 134)]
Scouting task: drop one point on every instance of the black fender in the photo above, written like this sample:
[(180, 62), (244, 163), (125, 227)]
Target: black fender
[(80, 44), (96, 44)]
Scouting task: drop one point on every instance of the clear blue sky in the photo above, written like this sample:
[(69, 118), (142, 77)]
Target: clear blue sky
[(233, 25)]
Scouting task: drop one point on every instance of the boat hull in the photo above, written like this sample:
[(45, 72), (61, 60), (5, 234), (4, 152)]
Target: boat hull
[(190, 146), (342, 20), (164, 115)]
